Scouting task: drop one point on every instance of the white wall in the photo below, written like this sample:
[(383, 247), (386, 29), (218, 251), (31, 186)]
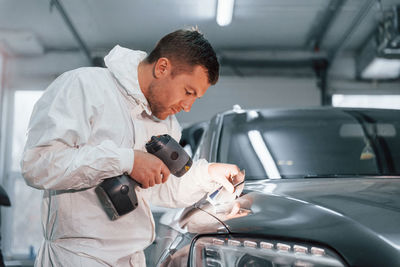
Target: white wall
[(36, 73), (253, 92), (2, 129)]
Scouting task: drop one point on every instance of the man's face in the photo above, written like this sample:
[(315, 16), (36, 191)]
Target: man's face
[(169, 94)]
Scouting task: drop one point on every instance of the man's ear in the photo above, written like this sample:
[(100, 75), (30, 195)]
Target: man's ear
[(162, 68)]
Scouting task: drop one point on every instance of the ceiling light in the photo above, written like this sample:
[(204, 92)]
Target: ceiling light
[(225, 12), (382, 68)]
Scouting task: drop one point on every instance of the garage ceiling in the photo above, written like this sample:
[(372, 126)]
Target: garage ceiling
[(260, 28)]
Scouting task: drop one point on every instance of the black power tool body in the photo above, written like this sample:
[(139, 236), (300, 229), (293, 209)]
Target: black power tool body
[(117, 194)]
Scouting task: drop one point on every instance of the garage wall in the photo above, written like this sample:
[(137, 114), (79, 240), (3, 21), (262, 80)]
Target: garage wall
[(36, 73), (253, 92), (2, 129)]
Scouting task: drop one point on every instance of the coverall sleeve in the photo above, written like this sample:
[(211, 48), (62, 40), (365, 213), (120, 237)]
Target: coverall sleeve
[(58, 154), (182, 191), (179, 192)]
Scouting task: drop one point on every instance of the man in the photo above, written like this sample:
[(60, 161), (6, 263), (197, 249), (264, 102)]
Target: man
[(92, 124)]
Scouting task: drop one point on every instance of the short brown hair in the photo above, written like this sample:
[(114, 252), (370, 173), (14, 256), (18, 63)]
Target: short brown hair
[(187, 47)]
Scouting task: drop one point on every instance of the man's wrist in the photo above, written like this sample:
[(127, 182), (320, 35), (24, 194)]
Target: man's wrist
[(203, 178)]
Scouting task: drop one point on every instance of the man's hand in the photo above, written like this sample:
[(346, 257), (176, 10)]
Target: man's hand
[(222, 174), (148, 170)]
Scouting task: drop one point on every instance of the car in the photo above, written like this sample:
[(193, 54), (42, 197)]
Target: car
[(191, 136), (322, 188)]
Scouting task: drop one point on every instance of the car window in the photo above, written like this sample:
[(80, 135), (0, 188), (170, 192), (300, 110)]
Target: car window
[(307, 143)]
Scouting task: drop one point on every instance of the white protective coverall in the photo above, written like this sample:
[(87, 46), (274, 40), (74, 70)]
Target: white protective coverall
[(82, 130)]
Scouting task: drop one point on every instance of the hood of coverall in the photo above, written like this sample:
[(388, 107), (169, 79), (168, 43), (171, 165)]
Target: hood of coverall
[(123, 64)]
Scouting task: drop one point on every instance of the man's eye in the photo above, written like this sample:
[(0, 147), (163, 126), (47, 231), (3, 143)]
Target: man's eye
[(188, 93)]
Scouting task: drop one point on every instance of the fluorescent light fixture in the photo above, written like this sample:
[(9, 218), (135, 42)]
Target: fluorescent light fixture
[(366, 101), (225, 12), (263, 154), (382, 68)]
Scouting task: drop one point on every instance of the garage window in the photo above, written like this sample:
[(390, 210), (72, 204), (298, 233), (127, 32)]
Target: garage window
[(21, 228), (366, 101)]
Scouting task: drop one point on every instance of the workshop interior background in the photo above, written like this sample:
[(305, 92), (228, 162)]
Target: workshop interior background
[(273, 53)]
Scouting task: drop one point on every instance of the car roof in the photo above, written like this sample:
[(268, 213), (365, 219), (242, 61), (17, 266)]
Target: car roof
[(301, 110)]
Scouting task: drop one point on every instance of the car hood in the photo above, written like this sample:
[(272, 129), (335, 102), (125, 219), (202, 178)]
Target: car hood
[(353, 216)]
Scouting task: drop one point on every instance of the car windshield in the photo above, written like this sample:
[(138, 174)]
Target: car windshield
[(312, 143)]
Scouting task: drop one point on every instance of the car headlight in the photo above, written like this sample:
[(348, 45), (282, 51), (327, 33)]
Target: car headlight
[(231, 251)]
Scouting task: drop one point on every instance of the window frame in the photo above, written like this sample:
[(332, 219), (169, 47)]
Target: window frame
[(10, 176)]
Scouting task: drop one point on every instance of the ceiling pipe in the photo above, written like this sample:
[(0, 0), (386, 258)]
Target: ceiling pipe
[(72, 28)]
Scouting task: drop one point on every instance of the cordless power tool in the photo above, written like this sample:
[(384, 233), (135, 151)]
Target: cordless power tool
[(117, 194)]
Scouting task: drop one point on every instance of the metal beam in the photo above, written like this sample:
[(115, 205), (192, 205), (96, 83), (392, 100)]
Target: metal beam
[(320, 68), (265, 63), (268, 53), (349, 86), (72, 28), (321, 27), (332, 54), (269, 58)]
